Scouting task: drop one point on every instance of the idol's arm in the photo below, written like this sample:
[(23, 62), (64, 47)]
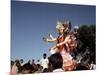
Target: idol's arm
[(50, 40), (64, 42)]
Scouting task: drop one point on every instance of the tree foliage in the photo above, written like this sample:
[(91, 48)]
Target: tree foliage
[(87, 39)]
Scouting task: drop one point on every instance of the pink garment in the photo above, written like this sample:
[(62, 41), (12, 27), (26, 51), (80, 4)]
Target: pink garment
[(14, 70), (64, 51), (67, 58)]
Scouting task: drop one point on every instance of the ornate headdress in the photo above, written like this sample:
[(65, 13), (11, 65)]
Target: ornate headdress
[(59, 25)]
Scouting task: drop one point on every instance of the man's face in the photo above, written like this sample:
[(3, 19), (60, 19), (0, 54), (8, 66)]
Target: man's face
[(44, 56)]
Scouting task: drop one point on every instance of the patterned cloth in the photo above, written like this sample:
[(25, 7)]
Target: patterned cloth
[(14, 70), (64, 51)]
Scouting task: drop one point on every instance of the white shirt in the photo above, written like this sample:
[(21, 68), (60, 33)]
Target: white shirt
[(53, 51), (92, 66), (44, 62)]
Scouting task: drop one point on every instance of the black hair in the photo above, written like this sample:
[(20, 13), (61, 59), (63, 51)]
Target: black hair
[(81, 67), (56, 61), (44, 54)]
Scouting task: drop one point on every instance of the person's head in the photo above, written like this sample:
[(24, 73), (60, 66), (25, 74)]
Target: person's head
[(44, 55), (32, 60), (55, 61), (21, 60), (60, 28), (29, 61), (76, 28), (67, 25), (17, 63), (38, 60), (12, 63)]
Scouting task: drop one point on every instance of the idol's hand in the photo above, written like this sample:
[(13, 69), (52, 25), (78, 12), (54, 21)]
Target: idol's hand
[(44, 39)]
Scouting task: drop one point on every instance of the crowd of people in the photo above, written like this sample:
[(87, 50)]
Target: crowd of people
[(62, 56), (53, 63)]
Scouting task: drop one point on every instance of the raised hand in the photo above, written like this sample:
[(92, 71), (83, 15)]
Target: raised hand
[(44, 39)]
